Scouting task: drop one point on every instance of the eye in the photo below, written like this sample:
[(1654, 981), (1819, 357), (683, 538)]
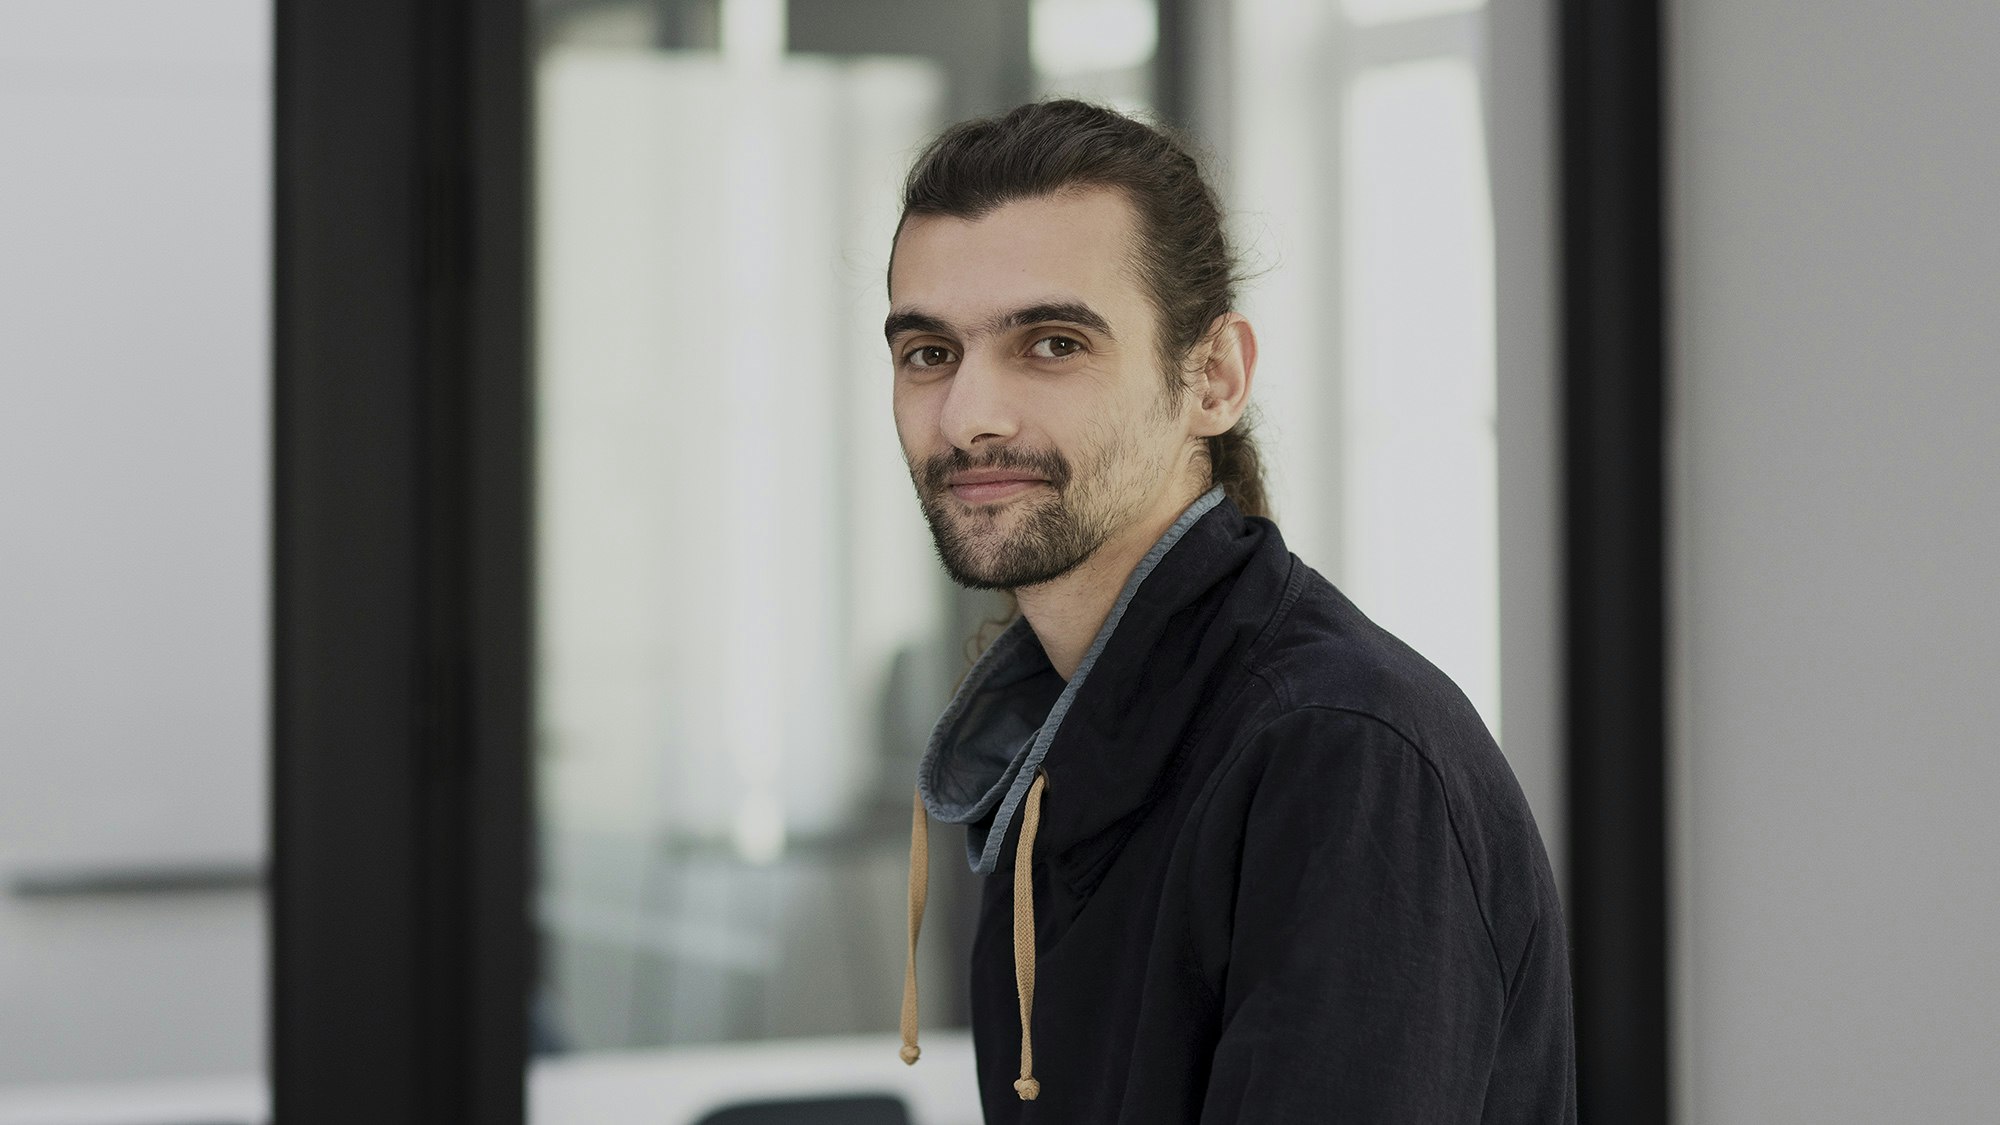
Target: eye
[(930, 355), (1056, 347)]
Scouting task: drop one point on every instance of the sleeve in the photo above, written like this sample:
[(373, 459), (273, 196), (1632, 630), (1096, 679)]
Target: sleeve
[(1362, 982)]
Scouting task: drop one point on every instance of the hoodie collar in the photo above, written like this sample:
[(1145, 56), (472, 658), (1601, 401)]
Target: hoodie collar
[(1005, 717)]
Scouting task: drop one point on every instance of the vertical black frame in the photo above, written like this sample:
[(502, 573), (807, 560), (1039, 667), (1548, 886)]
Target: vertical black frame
[(401, 616), (1614, 403)]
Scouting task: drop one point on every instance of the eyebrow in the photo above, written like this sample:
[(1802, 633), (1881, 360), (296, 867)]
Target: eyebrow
[(901, 322), (1067, 312)]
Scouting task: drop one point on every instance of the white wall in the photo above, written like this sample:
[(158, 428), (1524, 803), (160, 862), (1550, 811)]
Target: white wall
[(134, 179), (1835, 224)]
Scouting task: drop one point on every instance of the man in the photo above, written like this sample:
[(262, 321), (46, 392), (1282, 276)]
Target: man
[(1249, 857)]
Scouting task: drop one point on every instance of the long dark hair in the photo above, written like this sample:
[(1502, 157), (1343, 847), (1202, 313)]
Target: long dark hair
[(1183, 258)]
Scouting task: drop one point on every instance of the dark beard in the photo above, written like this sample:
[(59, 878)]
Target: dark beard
[(1052, 540)]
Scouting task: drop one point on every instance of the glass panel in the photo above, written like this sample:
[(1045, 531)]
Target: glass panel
[(134, 437), (1283, 200), (1076, 36), (1101, 50), (1370, 12), (730, 564), (1421, 486), (743, 637)]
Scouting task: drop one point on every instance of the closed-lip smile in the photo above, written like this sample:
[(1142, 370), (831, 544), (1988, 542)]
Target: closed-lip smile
[(984, 486)]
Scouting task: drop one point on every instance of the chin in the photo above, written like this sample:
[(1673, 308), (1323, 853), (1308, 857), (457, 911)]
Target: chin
[(991, 566)]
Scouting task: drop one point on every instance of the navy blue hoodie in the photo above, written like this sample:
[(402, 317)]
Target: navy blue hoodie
[(1280, 872)]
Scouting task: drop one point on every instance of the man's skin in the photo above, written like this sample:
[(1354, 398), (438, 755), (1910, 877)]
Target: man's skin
[(975, 381)]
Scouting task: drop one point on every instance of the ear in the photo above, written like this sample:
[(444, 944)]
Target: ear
[(1222, 386)]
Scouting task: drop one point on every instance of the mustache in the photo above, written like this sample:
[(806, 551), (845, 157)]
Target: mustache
[(936, 472)]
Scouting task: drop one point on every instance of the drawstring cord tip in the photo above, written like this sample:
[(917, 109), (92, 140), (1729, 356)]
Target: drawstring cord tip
[(1028, 1088), (920, 870)]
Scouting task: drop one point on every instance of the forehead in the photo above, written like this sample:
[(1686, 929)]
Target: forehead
[(1073, 246)]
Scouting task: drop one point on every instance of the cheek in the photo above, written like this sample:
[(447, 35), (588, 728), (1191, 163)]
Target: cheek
[(1098, 446), (916, 416)]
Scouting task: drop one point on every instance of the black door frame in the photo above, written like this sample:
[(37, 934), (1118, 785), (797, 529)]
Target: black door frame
[(1614, 402), (401, 942)]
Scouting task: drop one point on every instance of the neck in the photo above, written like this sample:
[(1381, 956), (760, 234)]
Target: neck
[(1067, 612)]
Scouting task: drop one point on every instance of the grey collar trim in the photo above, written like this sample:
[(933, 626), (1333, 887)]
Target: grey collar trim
[(966, 772)]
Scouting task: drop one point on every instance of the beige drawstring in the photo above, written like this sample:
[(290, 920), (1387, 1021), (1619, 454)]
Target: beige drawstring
[(1024, 928), (1024, 932), (920, 871)]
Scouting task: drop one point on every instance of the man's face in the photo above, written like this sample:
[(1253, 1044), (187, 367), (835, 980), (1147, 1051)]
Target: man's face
[(1029, 396)]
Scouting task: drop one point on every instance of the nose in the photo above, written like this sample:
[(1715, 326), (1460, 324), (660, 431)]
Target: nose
[(979, 405)]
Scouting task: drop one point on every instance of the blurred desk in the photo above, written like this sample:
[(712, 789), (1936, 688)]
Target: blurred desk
[(680, 1084), (668, 1086)]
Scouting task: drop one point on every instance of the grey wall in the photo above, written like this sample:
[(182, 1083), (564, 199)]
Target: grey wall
[(134, 469), (1835, 229)]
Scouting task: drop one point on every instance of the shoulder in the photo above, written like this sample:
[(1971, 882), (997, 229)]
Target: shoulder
[(1357, 741), (1321, 765), (1333, 804), (1323, 652), (1333, 679)]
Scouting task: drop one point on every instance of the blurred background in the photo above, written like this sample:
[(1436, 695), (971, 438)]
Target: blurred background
[(736, 636)]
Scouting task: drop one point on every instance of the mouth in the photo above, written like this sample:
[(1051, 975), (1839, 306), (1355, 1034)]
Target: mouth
[(991, 488)]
